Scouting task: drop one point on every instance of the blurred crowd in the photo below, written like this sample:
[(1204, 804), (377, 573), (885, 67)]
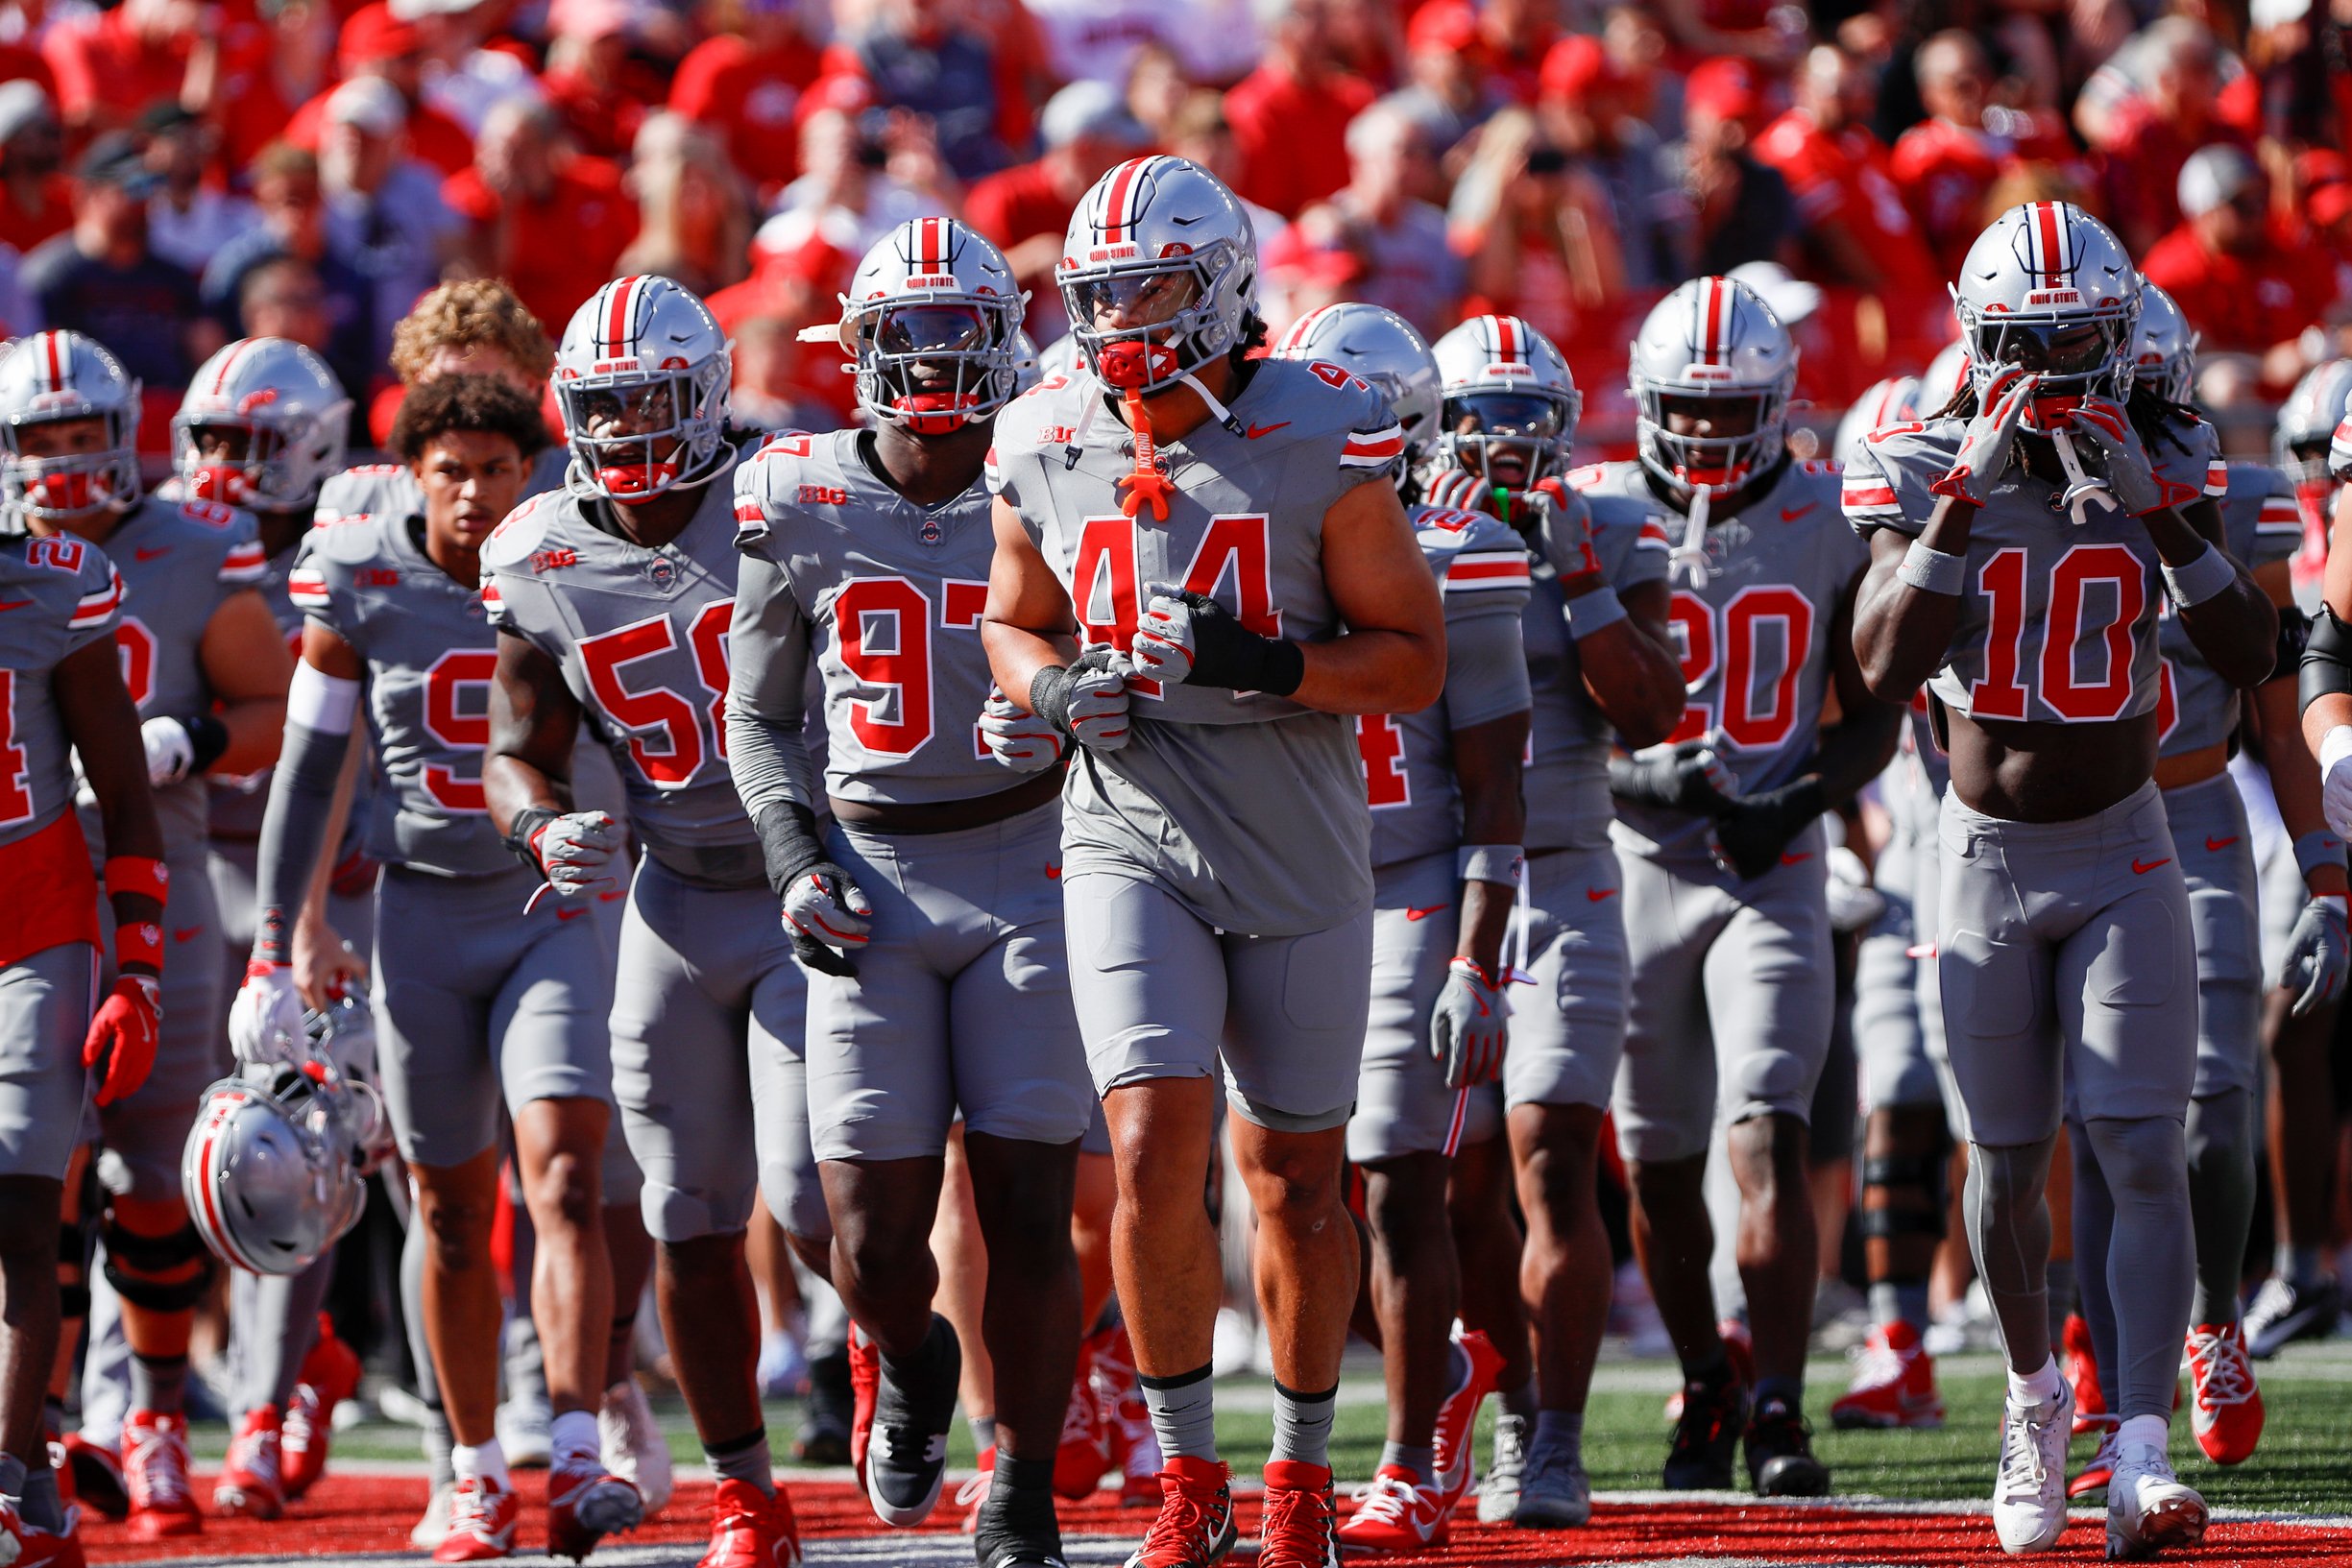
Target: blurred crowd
[(174, 173)]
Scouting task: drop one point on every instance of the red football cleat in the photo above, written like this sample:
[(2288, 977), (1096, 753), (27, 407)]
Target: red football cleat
[(330, 1375), (1893, 1384), (585, 1504), (1195, 1524), (751, 1530), (252, 1484), (975, 1492), (155, 1474), (26, 1546), (2091, 1413), (482, 1519), (1298, 1528), (92, 1476), (1127, 1421), (1458, 1417), (1399, 1513), (2227, 1413), (865, 1383), (1083, 1452)]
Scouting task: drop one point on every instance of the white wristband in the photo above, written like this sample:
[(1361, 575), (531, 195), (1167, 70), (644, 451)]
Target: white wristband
[(2315, 849), (2200, 579), (319, 701), (1931, 571), (1589, 612), (1503, 865)]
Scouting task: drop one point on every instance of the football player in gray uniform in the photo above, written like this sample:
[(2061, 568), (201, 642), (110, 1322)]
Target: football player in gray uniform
[(2020, 543), (1444, 787), (2198, 720), (1181, 532), (62, 696), (937, 977), (612, 599), (208, 669), (517, 1017), (1726, 873)]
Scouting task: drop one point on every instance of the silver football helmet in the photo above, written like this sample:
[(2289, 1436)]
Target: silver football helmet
[(1381, 348), (271, 1169), (263, 426), (932, 316), (2308, 421), (1882, 403), (1027, 366), (1712, 350), (2163, 345), (52, 377), (1159, 273), (1508, 404), (2049, 287), (642, 376)]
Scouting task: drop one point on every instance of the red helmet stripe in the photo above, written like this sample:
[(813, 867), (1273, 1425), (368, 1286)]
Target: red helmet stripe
[(56, 372), (2051, 232), (220, 378), (1115, 217), (1506, 339), (617, 324)]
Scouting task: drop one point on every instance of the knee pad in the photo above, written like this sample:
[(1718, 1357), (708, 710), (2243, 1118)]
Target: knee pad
[(2143, 1159), (134, 1261), (1920, 1174)]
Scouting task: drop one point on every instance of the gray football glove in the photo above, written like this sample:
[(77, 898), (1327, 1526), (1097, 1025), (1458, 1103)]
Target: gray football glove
[(2319, 951), (1469, 1027)]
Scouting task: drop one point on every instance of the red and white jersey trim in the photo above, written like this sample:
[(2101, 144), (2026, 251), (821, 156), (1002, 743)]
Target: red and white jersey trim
[(1486, 570), (245, 564), (1373, 448), (95, 606), (307, 589)]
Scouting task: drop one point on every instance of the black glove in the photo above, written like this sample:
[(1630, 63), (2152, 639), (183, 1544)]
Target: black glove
[(1188, 637), (1749, 838), (815, 895), (1690, 779), (1085, 699)]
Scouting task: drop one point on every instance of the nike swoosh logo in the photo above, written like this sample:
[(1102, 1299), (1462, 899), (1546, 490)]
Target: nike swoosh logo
[(2214, 846), (187, 934), (2141, 868), (569, 914), (13, 604), (1053, 872), (1797, 859), (1257, 430), (1596, 895), (145, 554), (1182, 223), (1790, 514), (1422, 914)]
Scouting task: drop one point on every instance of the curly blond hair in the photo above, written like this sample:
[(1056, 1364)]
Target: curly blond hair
[(479, 312)]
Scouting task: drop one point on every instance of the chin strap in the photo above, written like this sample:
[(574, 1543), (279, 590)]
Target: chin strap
[(1690, 558)]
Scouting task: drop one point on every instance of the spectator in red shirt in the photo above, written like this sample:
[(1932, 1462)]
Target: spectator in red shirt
[(246, 79), (375, 43), (1290, 115), (1852, 222), (1505, 44), (1026, 209), (2247, 282), (1446, 94), (587, 75), (111, 65), (746, 87), (551, 221), (2153, 133), (36, 201), (1375, 240), (1948, 164), (695, 221)]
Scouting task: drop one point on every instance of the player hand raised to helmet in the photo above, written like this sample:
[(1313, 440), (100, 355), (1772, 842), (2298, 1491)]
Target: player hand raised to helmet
[(1567, 532), (1991, 440), (828, 918), (265, 1021), (1085, 700), (1188, 637), (1017, 739), (1687, 777), (2319, 954), (1459, 490), (2124, 463), (1470, 1026)]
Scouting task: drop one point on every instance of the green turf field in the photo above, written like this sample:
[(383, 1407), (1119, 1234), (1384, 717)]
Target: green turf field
[(2304, 1466)]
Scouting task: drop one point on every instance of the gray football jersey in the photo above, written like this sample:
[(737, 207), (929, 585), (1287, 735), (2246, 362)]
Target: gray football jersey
[(180, 561), (641, 639), (1247, 806), (431, 656), (2057, 619), (388, 490), (1568, 805), (56, 596), (1482, 568), (2260, 525), (1755, 636), (883, 597)]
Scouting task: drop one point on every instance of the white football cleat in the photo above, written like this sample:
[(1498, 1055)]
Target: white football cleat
[(2147, 1508), (2030, 1493)]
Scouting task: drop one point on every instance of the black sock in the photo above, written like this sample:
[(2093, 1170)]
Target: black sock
[(1017, 1515)]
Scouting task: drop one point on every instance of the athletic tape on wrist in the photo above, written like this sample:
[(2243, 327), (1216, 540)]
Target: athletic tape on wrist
[(1593, 611), (1503, 865), (2316, 849), (2200, 579), (138, 874), (1931, 571)]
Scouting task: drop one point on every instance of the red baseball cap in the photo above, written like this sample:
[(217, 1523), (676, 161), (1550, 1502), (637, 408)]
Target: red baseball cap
[(1728, 88), (1577, 67), (1441, 25), (371, 33)]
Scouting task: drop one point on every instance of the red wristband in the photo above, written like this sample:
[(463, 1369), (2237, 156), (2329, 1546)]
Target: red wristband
[(139, 942), (138, 874)]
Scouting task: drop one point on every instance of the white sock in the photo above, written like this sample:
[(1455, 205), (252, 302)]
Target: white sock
[(572, 1439), (2037, 1388), (484, 1461), (2152, 1430)]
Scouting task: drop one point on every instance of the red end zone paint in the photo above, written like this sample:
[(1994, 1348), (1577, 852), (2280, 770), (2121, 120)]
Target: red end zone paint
[(349, 1516)]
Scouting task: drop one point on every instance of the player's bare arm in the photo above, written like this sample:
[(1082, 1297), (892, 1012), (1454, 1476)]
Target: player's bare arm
[(1863, 739), (1630, 669), (1488, 762), (247, 666), (534, 722), (1901, 632), (105, 729), (1029, 625), (1392, 658)]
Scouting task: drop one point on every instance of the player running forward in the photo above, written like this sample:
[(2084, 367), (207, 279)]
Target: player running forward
[(204, 663), (1597, 663), (1443, 786), (1898, 1033), (929, 916), (62, 698), (1726, 881), (612, 599), (1181, 534), (479, 1006), (2197, 715), (2020, 541)]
